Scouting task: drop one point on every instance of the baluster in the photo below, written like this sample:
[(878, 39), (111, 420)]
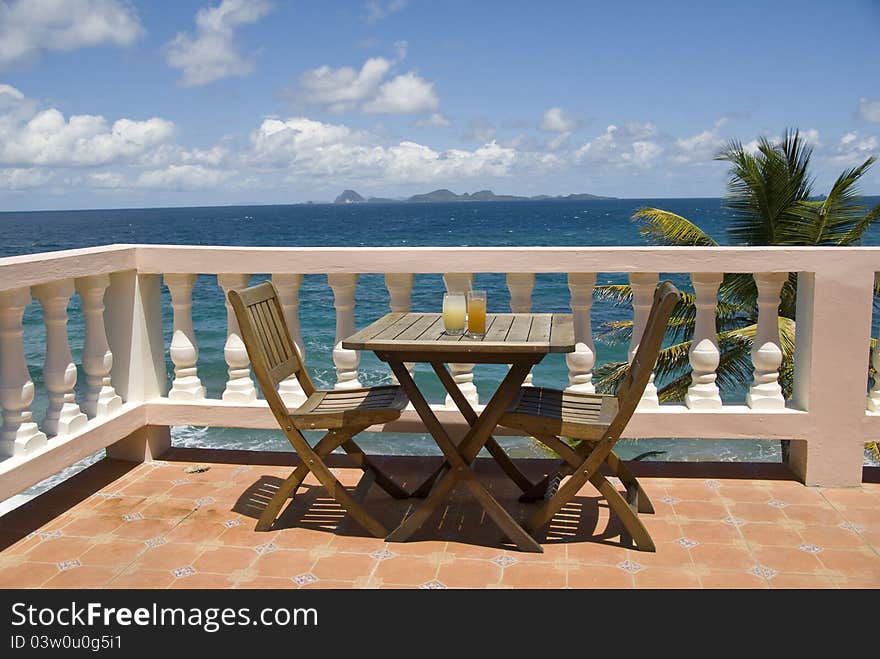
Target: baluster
[(704, 354), (399, 285), (184, 350), (346, 361), (290, 389), (765, 393), (520, 285), (463, 374), (580, 362), (874, 395), (239, 387), (643, 286), (97, 361), (59, 372), (20, 435)]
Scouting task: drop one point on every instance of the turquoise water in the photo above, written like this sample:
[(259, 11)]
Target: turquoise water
[(600, 222)]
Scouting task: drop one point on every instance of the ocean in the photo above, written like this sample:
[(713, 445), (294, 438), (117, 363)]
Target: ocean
[(539, 223)]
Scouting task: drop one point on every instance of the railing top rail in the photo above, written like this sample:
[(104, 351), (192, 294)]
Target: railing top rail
[(31, 269)]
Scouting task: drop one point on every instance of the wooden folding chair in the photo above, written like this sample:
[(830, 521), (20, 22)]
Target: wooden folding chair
[(342, 413), (598, 421)]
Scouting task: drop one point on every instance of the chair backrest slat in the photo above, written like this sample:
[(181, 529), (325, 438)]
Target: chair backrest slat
[(630, 391), (271, 349)]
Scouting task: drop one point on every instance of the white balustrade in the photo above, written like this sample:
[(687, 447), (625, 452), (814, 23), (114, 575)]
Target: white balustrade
[(239, 387), (184, 349), (400, 285), (643, 286), (580, 362), (97, 361), (344, 286), (19, 435), (704, 354), (462, 374), (59, 372), (765, 392), (521, 285), (290, 389), (874, 394)]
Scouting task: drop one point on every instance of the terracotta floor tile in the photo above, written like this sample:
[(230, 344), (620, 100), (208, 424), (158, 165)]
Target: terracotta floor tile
[(710, 532), (833, 537), (298, 538), (594, 576), (853, 582), (796, 494), (146, 488), (267, 583), (732, 579), (469, 573), (596, 553), (692, 490), (286, 563), (169, 556), (119, 553), (85, 576), (756, 512), (463, 550), (863, 564), (136, 577), (872, 537), (324, 584), (203, 580), (750, 493), (662, 529), (167, 509), (666, 577), (869, 517), (700, 510), (91, 525), (195, 532), (225, 560), (27, 575), (533, 575), (849, 497), (59, 549), (344, 567), (360, 544), (787, 559), (144, 529), (722, 557), (406, 570), (813, 514), (245, 536), (811, 581), (770, 534), (668, 554)]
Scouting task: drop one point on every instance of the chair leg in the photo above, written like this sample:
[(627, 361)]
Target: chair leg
[(364, 462), (631, 483), (288, 488), (628, 517)]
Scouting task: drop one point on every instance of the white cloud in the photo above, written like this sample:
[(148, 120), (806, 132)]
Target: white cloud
[(556, 120), (11, 93), (307, 148), (481, 130), (107, 180), (47, 138), (869, 110), (183, 177), (405, 94), (853, 149), (16, 178), (28, 27), (622, 147), (436, 120), (702, 147), (377, 10), (343, 88), (213, 53)]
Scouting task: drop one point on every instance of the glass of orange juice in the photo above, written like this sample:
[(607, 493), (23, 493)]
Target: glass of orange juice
[(476, 314)]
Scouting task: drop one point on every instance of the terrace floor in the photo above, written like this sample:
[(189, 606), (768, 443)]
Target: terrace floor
[(156, 525)]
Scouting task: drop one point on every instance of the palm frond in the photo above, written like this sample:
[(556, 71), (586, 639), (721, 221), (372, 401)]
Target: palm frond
[(664, 228)]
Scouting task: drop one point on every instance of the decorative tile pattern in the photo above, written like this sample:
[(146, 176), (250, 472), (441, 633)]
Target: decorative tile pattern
[(155, 542), (51, 535), (68, 565), (503, 560), (187, 571), (687, 543), (810, 549), (433, 585), (232, 523), (713, 484), (855, 528), (181, 481), (266, 548), (303, 579), (205, 501), (763, 572), (382, 554), (777, 504), (110, 495), (132, 517), (630, 566), (734, 521), (670, 500), (241, 469)]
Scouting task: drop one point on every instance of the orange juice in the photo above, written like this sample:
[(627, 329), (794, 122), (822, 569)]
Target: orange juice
[(476, 310)]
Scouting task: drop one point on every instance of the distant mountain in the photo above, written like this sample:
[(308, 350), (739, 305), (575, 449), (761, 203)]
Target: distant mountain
[(349, 197), (444, 195)]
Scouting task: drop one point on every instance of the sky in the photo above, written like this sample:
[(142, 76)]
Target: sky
[(119, 104)]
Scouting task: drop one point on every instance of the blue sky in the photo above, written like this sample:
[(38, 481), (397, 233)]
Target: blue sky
[(109, 103)]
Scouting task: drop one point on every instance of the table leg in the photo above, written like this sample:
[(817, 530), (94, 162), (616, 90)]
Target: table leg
[(460, 458)]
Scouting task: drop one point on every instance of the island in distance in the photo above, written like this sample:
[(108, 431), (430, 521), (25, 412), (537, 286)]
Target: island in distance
[(443, 195)]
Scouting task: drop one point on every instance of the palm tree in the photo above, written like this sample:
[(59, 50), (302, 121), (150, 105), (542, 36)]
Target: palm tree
[(770, 196)]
